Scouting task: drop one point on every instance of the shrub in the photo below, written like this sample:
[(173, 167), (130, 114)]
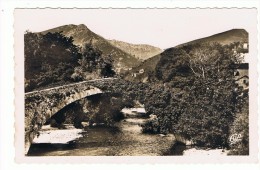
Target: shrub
[(240, 126)]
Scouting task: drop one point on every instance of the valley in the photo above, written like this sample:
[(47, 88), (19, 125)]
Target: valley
[(197, 90)]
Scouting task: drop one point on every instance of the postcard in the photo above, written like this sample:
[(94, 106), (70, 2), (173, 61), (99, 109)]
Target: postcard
[(136, 85)]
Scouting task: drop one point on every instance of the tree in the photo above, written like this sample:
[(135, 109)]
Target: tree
[(106, 66), (159, 101), (49, 59), (205, 106), (210, 106), (93, 64)]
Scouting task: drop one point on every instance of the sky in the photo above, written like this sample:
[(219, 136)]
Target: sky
[(162, 28)]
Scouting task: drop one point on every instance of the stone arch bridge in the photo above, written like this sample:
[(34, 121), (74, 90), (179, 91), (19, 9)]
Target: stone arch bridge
[(41, 105)]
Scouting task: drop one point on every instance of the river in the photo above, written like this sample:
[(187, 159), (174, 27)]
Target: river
[(125, 139)]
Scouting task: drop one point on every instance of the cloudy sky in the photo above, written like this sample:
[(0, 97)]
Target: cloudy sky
[(163, 28)]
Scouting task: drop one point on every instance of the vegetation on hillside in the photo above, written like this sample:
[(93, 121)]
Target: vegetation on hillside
[(52, 59), (82, 35), (93, 65)]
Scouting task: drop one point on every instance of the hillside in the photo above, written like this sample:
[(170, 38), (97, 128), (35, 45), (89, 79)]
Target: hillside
[(139, 51), (145, 71), (224, 38), (169, 64), (49, 59), (82, 35)]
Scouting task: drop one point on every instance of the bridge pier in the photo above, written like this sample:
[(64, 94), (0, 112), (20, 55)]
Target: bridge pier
[(27, 143)]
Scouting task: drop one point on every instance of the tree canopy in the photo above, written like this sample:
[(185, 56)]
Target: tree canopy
[(205, 107), (52, 59)]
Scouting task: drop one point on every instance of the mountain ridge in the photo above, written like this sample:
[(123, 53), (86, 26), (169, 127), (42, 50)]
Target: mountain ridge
[(224, 38), (82, 35), (140, 51), (146, 70)]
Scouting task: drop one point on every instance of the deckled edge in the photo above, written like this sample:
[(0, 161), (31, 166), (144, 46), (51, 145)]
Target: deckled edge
[(97, 159)]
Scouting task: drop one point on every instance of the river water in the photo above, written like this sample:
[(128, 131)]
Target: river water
[(125, 139)]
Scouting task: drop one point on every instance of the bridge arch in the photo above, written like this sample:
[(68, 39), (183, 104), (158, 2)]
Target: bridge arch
[(43, 104)]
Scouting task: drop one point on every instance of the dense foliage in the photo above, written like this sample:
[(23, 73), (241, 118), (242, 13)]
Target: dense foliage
[(240, 127), (52, 59), (211, 100), (159, 100), (204, 108), (92, 65), (49, 59)]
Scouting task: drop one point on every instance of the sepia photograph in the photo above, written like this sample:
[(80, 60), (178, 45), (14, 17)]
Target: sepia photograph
[(136, 82)]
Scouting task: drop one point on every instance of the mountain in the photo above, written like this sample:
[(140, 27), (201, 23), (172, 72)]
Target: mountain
[(167, 64), (224, 38), (82, 35), (140, 51)]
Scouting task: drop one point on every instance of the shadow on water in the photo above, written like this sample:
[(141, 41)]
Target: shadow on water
[(37, 149), (98, 136)]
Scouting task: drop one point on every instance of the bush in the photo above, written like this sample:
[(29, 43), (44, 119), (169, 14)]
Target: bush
[(240, 126), (151, 126)]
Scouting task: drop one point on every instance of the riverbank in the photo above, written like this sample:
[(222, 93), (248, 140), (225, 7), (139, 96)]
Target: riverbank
[(57, 136), (207, 152)]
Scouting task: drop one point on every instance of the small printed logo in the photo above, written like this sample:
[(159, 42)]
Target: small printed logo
[(235, 138)]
